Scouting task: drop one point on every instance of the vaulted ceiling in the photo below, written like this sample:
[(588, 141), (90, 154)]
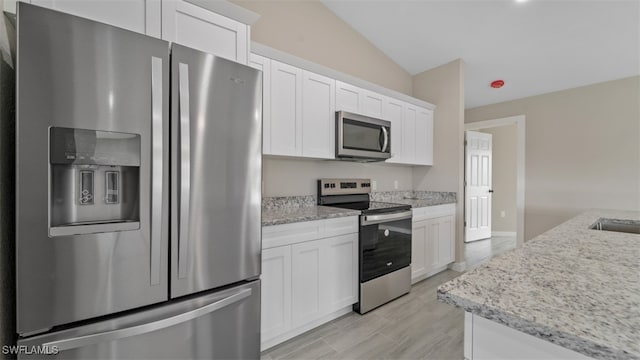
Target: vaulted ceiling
[(535, 46)]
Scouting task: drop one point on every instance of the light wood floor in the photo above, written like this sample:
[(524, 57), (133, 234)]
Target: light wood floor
[(415, 326), (481, 251)]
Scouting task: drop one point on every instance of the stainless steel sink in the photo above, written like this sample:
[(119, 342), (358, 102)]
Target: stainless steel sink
[(617, 225)]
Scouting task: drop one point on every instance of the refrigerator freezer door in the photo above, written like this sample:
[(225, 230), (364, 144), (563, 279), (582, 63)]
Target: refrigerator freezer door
[(220, 325), (216, 171), (98, 84)]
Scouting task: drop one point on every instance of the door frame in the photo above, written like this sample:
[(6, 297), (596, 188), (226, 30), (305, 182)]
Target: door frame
[(519, 121)]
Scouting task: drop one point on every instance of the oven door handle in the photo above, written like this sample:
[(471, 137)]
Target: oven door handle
[(377, 219)]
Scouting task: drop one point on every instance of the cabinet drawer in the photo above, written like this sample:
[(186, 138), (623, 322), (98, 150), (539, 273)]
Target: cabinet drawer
[(287, 234), (431, 212)]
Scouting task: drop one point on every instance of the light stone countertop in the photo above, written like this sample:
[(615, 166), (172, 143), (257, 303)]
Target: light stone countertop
[(292, 209), (572, 286), (289, 215)]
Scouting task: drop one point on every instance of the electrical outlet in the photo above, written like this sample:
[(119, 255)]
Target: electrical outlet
[(503, 213), (395, 184), (374, 185)]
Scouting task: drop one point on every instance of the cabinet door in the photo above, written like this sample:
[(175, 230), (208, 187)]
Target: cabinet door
[(286, 109), (393, 111), (419, 249), (446, 243), (339, 272), (318, 116), (347, 97), (306, 292), (199, 28), (371, 103), (264, 64), (431, 245), (142, 16), (276, 292), (424, 137), (409, 134)]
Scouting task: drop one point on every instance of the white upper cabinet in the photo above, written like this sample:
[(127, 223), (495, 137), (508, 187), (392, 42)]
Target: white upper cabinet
[(424, 137), (299, 115), (347, 97), (199, 28), (357, 100), (409, 134), (393, 111), (285, 130), (142, 16), (318, 116), (264, 64), (298, 111), (371, 103)]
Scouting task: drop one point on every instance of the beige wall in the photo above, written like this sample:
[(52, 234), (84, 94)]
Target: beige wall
[(582, 150), (308, 29), (444, 86), (503, 177), (290, 177)]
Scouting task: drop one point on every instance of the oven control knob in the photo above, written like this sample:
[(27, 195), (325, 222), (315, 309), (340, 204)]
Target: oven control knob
[(386, 232)]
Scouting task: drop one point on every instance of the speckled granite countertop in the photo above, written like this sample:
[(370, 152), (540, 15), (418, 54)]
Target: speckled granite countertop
[(572, 286), (291, 209), (415, 198)]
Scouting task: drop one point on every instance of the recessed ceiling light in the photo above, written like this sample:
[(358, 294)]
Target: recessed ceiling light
[(521, 1)]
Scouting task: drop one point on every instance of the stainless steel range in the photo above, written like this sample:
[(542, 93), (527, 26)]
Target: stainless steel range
[(384, 240)]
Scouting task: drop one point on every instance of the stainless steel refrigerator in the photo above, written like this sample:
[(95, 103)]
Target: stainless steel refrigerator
[(138, 189)]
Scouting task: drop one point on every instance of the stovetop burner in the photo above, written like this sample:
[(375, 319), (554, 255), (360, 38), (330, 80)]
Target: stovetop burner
[(353, 194)]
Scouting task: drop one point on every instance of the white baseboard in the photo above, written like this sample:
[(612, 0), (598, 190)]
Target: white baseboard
[(503, 233), (458, 266)]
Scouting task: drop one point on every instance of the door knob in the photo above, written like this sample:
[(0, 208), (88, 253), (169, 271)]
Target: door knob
[(490, 190)]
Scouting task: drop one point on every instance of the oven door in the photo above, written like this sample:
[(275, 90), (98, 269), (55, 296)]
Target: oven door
[(385, 244), (359, 136)]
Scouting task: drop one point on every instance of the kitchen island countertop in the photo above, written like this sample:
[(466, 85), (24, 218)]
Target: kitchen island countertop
[(573, 286)]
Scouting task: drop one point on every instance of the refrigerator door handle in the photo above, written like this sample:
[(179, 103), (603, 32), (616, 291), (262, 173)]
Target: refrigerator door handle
[(157, 168), (185, 170), (86, 340)]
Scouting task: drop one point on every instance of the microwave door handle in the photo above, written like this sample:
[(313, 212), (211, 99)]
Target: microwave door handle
[(385, 133)]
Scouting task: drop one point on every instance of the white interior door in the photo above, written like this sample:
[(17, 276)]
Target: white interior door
[(477, 186)]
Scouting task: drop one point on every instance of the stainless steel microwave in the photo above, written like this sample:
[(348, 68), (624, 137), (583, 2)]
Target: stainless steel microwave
[(362, 138)]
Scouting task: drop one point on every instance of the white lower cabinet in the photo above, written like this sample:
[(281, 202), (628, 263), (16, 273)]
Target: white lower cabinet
[(432, 240), (309, 276), (276, 291)]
